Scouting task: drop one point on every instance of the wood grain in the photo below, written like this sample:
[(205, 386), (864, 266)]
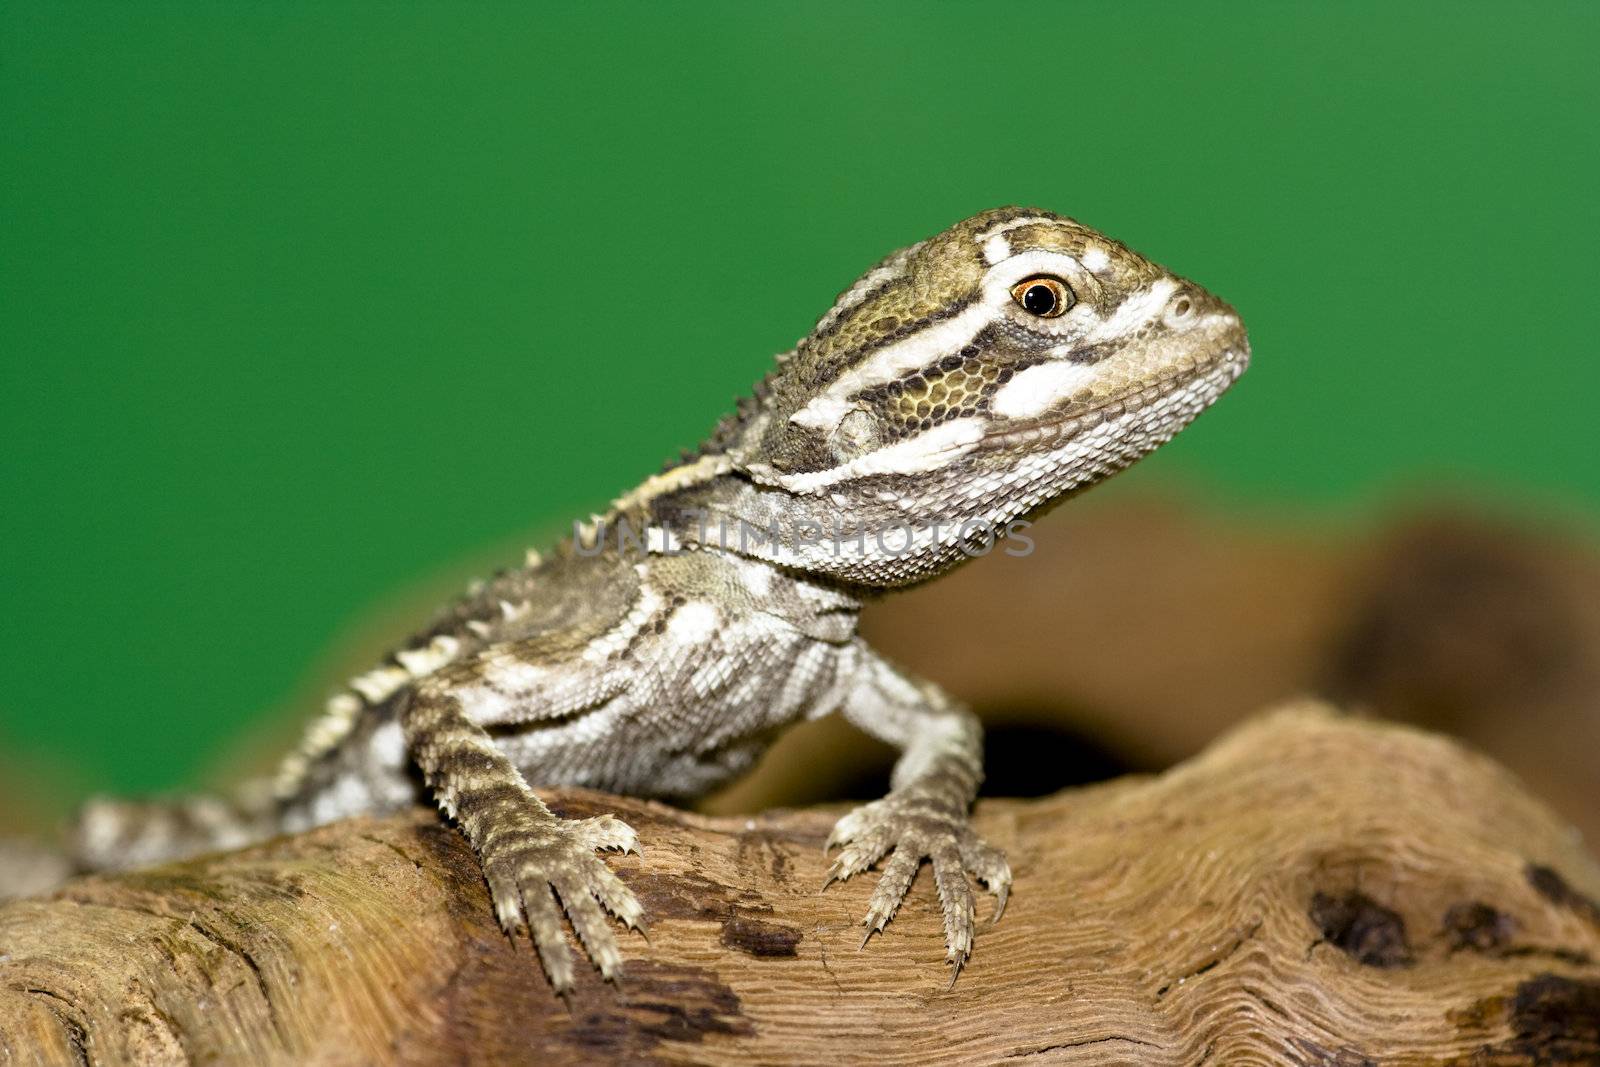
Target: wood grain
[(1311, 889)]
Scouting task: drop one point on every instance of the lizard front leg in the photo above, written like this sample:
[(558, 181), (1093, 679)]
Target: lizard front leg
[(526, 851), (924, 817)]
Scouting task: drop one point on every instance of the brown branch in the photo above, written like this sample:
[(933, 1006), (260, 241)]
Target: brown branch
[(1311, 889)]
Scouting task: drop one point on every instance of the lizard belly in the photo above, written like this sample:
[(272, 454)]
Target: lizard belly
[(697, 717)]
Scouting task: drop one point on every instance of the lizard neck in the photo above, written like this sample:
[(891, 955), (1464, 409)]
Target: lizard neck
[(886, 543)]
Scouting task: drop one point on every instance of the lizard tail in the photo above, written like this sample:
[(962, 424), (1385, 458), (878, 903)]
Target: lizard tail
[(110, 835), (29, 867)]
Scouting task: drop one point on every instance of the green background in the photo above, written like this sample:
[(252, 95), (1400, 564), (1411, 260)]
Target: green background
[(302, 306)]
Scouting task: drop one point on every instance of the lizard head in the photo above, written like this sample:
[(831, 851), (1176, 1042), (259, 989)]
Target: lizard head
[(978, 376)]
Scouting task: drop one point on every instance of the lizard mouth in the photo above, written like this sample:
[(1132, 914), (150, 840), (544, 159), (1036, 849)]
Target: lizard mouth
[(1212, 373)]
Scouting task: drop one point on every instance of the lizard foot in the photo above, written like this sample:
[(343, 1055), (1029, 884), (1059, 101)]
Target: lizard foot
[(918, 828), (529, 865)]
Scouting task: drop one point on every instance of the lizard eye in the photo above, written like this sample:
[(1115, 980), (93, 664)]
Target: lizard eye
[(1043, 295)]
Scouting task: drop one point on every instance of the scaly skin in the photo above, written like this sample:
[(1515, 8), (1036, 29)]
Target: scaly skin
[(962, 385)]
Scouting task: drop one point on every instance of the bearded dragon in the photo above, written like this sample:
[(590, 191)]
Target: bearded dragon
[(960, 386)]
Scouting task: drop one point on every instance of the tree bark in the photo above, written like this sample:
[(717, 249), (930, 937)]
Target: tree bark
[(1311, 889)]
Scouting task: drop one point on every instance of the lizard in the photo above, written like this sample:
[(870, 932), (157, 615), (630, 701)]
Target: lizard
[(960, 387)]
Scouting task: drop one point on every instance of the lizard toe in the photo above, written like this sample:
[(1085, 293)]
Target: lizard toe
[(591, 925), (617, 897), (955, 899), (898, 874), (608, 832), (988, 865), (544, 927)]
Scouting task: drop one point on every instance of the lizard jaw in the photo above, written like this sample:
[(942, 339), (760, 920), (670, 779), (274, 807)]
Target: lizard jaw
[(1220, 370)]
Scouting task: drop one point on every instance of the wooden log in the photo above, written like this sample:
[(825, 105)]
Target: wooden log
[(1312, 889)]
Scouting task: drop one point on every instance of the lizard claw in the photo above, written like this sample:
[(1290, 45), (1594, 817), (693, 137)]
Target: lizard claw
[(843, 830), (609, 833), (1001, 894), (909, 830)]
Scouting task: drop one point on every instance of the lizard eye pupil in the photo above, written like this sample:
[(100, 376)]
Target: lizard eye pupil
[(1043, 296), (1039, 299)]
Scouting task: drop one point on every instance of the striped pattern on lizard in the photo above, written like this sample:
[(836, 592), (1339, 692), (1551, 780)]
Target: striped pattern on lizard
[(960, 386)]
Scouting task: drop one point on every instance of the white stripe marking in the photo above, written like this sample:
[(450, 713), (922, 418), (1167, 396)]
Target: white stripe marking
[(1134, 312), (996, 249), (927, 451), (1038, 388), (1013, 224), (928, 345), (379, 683), (894, 361), (1039, 261), (693, 623)]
